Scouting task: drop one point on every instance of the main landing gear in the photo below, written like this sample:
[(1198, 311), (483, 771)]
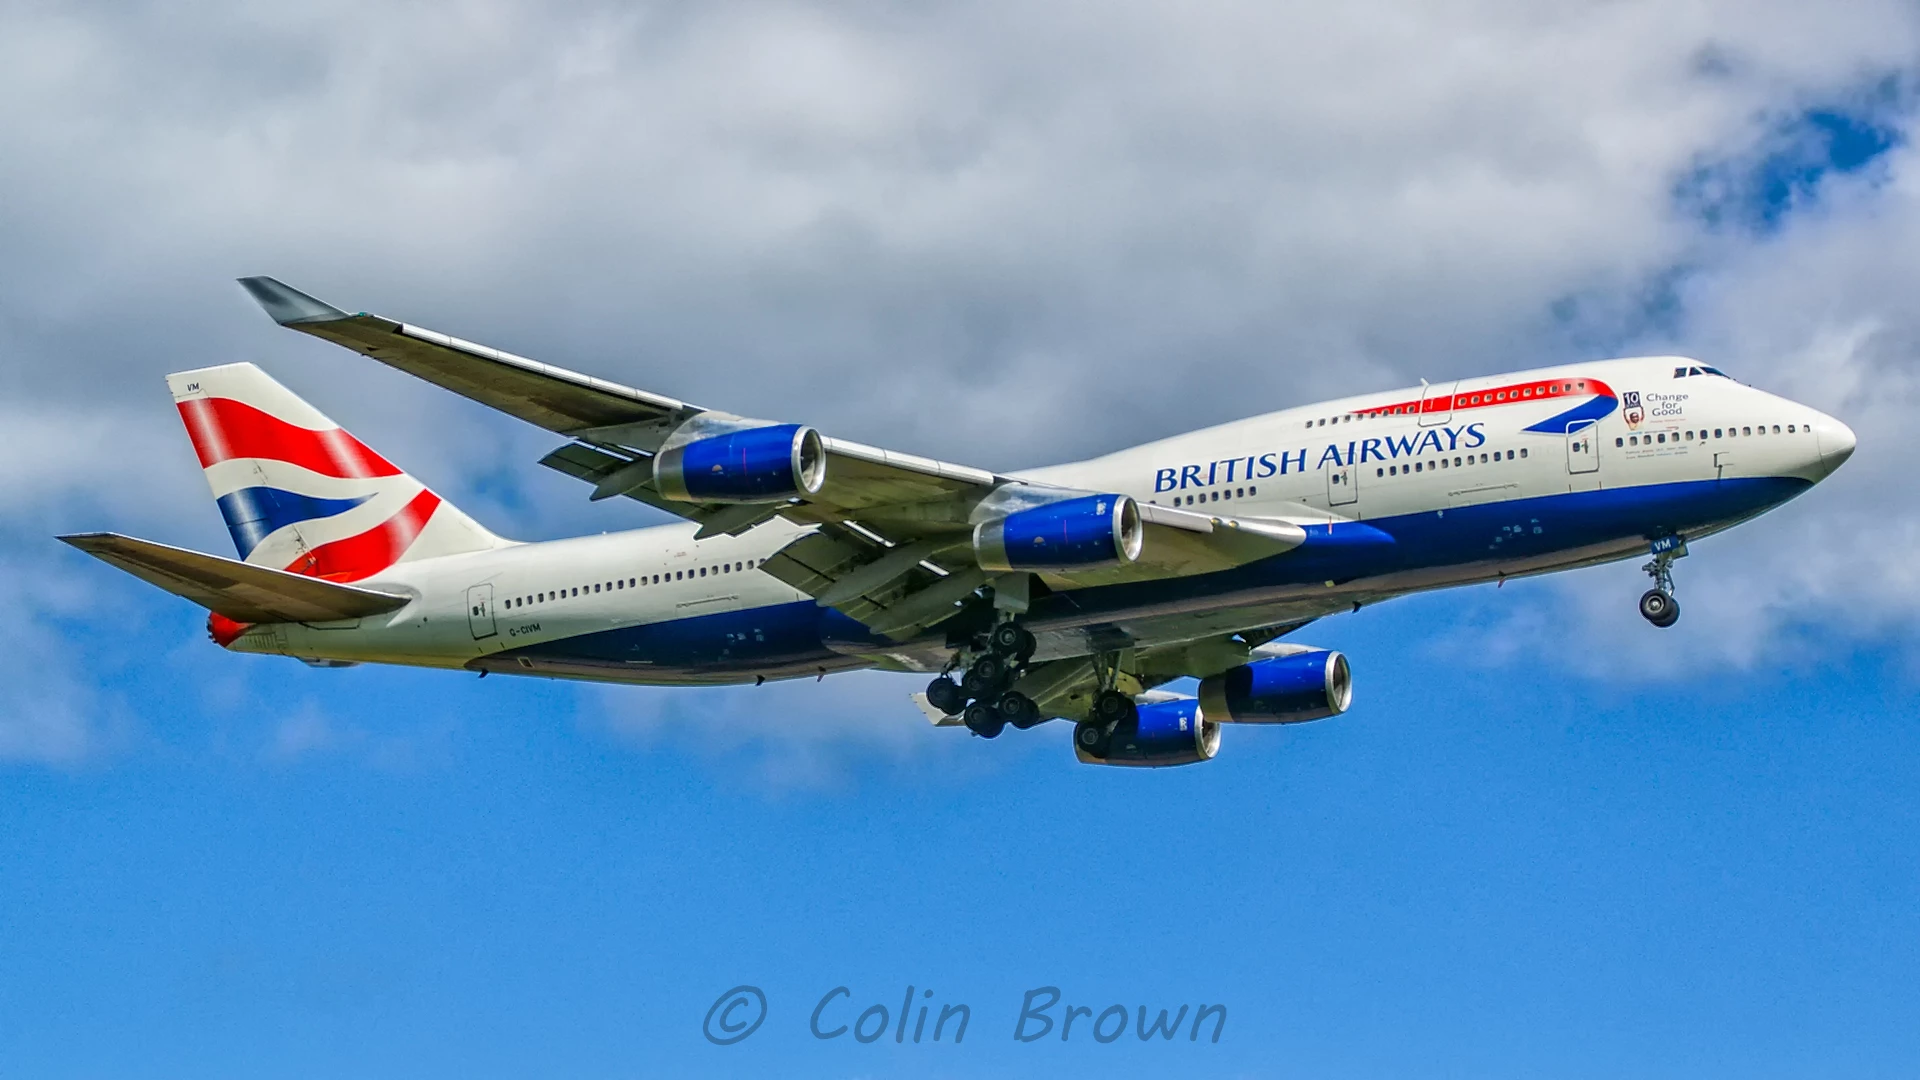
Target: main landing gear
[(1113, 713), (984, 697), (1657, 604)]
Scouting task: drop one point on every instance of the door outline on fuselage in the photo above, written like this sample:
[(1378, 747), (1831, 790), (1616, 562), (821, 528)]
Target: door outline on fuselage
[(1438, 399), (1341, 486), (480, 612), (1583, 447)]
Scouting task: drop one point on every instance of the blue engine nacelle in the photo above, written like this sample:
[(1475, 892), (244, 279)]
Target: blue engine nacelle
[(1289, 688), (1083, 533), (747, 464), (1176, 732)]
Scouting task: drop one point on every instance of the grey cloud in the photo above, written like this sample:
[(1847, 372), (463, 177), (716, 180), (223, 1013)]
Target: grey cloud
[(1002, 233)]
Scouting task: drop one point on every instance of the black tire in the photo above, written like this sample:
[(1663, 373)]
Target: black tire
[(945, 694), (1019, 710), (1656, 606), (1011, 639), (1094, 739), (1113, 707), (1672, 615), (986, 678), (984, 720)]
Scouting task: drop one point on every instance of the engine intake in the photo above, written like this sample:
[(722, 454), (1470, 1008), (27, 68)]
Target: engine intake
[(1291, 688), (704, 461), (1082, 533), (1176, 732)]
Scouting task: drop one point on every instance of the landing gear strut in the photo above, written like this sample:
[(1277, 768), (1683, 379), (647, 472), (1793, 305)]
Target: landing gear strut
[(1657, 604)]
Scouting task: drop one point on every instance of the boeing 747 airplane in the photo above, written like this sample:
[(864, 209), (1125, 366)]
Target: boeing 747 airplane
[(1071, 591)]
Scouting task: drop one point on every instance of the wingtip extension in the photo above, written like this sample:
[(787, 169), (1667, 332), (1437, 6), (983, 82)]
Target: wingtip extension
[(287, 305)]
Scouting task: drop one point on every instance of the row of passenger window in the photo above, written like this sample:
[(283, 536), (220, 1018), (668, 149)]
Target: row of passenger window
[(1445, 463), (632, 583), (1730, 433), (1213, 496)]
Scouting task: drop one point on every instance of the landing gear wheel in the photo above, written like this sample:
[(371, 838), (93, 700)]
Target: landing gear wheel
[(1011, 639), (1113, 707), (1093, 737), (1659, 608), (945, 694), (1019, 709), (984, 720), (1657, 604), (986, 677)]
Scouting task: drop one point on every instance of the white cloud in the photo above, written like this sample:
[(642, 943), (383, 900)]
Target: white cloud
[(998, 232), (51, 711)]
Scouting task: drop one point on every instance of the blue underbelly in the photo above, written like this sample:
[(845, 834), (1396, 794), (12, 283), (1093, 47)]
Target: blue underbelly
[(786, 640), (778, 640)]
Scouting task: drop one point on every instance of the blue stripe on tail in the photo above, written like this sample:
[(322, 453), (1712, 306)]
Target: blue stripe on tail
[(255, 513)]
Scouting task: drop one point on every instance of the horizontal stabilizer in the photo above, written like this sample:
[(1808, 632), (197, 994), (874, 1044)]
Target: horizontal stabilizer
[(237, 590)]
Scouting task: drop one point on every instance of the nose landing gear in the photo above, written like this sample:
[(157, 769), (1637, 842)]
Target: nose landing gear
[(1657, 604), (1659, 608)]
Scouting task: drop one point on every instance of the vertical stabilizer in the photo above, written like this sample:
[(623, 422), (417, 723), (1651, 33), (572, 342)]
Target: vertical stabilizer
[(299, 493)]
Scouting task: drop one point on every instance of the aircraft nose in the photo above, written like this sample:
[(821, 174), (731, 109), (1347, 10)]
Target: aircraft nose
[(1836, 442)]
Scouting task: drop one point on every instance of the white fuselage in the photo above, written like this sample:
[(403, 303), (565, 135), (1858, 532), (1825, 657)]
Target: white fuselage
[(642, 602)]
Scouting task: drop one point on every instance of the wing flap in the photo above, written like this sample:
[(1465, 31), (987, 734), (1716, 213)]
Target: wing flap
[(243, 593)]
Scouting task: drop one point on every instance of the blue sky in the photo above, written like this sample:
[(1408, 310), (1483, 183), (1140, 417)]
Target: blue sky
[(1478, 871), (1548, 840)]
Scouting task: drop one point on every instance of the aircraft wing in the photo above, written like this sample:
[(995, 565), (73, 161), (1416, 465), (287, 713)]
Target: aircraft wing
[(891, 545), (241, 592)]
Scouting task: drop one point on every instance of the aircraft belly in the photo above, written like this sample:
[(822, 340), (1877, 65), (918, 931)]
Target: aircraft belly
[(1366, 561), (773, 641)]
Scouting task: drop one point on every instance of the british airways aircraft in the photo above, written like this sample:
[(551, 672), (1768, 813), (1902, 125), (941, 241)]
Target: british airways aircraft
[(1071, 591)]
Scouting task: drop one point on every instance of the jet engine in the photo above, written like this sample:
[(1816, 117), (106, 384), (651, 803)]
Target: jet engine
[(1291, 684), (1171, 732), (734, 460), (1076, 533)]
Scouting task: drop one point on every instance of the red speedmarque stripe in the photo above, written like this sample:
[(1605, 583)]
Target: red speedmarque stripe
[(1538, 389), (223, 429), (370, 552)]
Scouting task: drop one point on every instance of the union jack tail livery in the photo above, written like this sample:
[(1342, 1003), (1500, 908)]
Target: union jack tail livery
[(301, 494)]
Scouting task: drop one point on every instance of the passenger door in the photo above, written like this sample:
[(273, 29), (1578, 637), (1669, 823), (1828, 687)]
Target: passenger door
[(480, 612), (1340, 485), (1583, 447), (1436, 404)]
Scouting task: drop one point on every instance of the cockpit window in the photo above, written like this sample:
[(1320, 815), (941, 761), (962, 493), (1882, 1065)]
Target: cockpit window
[(1684, 372)]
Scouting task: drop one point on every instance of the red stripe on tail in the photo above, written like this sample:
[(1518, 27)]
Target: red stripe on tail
[(370, 552), (223, 429)]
